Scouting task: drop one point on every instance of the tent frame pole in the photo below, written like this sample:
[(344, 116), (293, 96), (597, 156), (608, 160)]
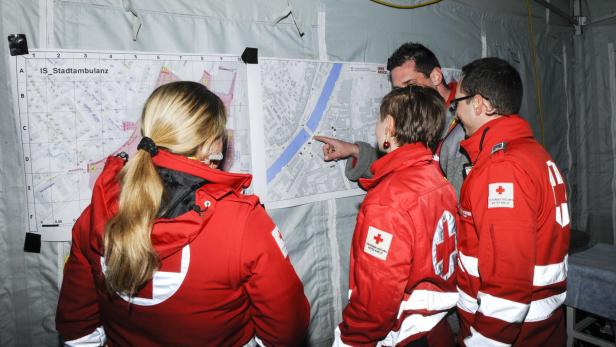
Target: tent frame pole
[(557, 11)]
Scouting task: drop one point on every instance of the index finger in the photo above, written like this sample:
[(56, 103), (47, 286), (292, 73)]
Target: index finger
[(324, 139)]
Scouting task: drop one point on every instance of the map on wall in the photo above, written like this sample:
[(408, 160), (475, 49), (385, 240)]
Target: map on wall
[(306, 98), (75, 108)]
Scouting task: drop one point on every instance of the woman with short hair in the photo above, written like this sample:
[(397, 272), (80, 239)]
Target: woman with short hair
[(403, 253)]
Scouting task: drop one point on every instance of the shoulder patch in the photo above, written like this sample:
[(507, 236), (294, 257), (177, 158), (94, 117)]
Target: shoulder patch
[(378, 243), (279, 241), (251, 200), (498, 147), (500, 195)]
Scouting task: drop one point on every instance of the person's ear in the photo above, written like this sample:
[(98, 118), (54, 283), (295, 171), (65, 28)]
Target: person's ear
[(203, 151), (436, 76), (490, 110), (477, 104)]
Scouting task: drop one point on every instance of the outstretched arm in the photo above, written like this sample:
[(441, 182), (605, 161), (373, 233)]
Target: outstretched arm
[(334, 149), (362, 154)]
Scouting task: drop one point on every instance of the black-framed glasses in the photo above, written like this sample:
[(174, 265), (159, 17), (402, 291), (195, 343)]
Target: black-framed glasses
[(453, 105)]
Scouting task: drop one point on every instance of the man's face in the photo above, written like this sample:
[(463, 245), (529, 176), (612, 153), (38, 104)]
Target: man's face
[(464, 111), (406, 74)]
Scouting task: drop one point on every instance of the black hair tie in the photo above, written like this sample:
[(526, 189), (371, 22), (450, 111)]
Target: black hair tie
[(148, 145)]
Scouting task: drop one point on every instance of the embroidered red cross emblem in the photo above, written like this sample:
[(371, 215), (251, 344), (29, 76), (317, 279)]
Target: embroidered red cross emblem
[(378, 239), (500, 190), (446, 247)]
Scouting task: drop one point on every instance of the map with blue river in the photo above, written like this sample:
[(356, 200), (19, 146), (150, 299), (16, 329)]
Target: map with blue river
[(305, 98), (315, 117)]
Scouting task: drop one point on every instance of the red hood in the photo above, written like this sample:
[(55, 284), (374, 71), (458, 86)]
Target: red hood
[(403, 157), (453, 86), (167, 237), (502, 129)]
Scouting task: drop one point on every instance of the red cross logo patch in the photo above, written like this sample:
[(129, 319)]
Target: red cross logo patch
[(500, 195), (377, 243)]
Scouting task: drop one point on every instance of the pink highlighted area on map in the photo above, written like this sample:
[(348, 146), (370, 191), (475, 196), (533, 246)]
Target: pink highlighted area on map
[(165, 76)]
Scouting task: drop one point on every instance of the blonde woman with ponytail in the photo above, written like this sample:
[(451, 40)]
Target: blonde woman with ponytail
[(170, 252)]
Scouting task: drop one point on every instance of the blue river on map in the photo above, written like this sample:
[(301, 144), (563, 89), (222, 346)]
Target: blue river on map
[(315, 117)]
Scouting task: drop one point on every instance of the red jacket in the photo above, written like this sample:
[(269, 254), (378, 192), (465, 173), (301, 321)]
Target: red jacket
[(513, 240), (403, 252), (224, 276)]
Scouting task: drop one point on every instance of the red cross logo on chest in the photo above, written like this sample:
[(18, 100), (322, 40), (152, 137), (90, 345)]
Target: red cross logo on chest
[(500, 190), (378, 239)]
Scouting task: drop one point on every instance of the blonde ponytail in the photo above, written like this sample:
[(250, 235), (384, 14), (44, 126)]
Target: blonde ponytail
[(127, 239), (180, 117)]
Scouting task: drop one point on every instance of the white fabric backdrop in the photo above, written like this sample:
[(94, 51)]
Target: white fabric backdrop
[(576, 102)]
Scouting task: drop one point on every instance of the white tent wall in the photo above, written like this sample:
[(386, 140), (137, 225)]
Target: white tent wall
[(317, 235), (28, 282), (596, 123)]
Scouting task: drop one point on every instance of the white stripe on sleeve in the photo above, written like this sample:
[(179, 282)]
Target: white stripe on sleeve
[(469, 264), (542, 309), (503, 309), (411, 325), (428, 300), (466, 302), (478, 340), (550, 274), (94, 339)]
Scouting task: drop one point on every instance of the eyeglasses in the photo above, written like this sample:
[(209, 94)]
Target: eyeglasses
[(453, 105)]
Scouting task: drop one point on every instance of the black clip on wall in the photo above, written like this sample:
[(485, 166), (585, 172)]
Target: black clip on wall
[(18, 44)]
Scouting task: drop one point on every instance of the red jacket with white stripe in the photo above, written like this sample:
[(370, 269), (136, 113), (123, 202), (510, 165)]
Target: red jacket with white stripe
[(403, 252), (513, 240), (225, 278)]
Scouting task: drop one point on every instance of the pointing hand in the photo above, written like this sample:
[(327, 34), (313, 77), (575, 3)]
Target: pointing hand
[(334, 149)]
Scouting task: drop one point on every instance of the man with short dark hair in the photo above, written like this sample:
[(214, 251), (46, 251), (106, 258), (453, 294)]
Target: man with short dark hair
[(514, 222), (411, 63)]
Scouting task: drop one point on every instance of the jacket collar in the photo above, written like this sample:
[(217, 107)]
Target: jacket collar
[(234, 181), (503, 129), (403, 157), (167, 237)]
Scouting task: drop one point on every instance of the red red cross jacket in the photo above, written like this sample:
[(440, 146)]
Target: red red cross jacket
[(513, 240), (403, 253), (225, 278)]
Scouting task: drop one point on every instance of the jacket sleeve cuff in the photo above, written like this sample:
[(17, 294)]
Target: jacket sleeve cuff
[(361, 169), (94, 339), (338, 339)]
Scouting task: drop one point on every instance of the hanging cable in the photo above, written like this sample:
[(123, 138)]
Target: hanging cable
[(406, 7), (533, 49)]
